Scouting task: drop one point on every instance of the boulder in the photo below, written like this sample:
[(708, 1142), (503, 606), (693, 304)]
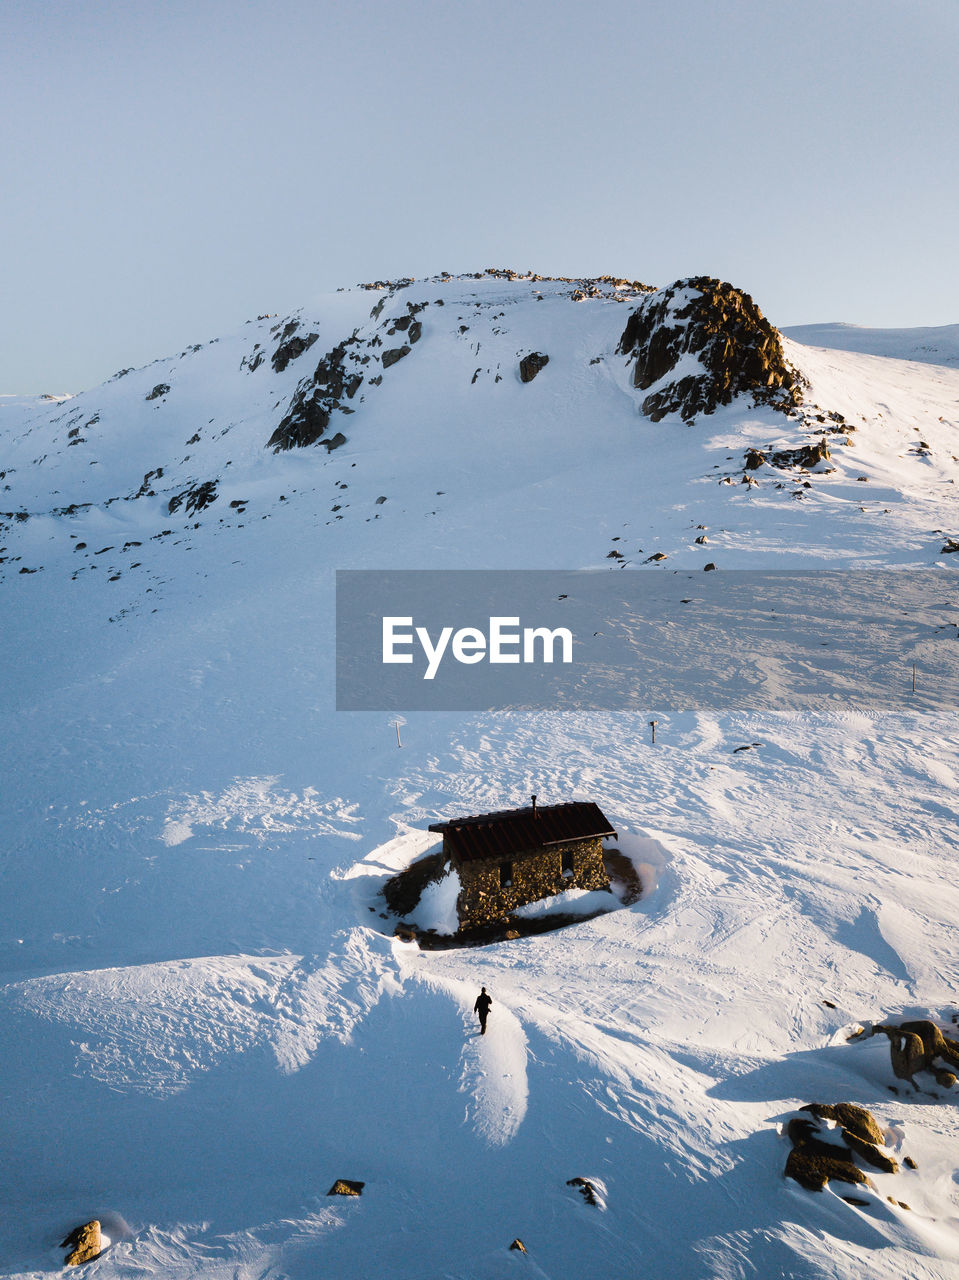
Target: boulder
[(821, 1154), (530, 365), (393, 354), (161, 389), (85, 1243), (857, 1119), (812, 1170), (346, 1187)]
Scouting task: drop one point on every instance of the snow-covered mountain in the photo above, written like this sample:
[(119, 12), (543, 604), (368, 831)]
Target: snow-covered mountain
[(206, 1020), (937, 344)]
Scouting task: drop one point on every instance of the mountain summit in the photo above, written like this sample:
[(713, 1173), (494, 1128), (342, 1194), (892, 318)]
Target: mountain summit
[(448, 396)]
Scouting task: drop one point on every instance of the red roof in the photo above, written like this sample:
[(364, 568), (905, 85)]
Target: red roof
[(517, 831)]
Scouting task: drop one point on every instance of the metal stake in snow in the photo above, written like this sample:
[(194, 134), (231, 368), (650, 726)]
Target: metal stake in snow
[(396, 725), (652, 725), (914, 677)]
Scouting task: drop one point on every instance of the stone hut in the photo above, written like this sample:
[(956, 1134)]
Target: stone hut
[(506, 860)]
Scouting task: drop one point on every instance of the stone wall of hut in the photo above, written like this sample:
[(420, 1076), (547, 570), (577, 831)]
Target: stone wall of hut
[(483, 900)]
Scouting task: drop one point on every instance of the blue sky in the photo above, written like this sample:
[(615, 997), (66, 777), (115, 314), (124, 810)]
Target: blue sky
[(171, 169)]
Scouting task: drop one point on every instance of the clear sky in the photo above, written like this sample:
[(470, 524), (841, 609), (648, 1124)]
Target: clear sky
[(171, 168)]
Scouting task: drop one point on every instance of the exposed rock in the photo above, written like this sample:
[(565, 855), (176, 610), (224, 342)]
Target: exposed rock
[(821, 1153), (808, 456), (85, 1244), (857, 1119), (393, 354), (346, 1187), (915, 1046), (290, 349), (738, 350), (518, 1245), (951, 545), (530, 365), (314, 401), (196, 498), (707, 568), (813, 1171), (335, 441), (869, 1152), (586, 1187), (161, 389)]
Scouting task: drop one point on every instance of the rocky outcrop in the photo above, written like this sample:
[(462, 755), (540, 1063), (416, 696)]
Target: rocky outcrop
[(161, 389), (291, 346), (196, 498), (810, 457), (346, 1187), (314, 401), (85, 1244), (698, 344), (813, 1170), (824, 1152), (920, 1046), (530, 365), (584, 1185), (393, 354)]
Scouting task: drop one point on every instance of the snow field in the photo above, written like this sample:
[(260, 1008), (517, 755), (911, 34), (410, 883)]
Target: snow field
[(204, 1024)]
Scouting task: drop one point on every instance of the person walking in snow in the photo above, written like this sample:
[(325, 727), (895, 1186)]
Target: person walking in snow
[(483, 1002)]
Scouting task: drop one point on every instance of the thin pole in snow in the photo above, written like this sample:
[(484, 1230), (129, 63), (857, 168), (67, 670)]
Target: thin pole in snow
[(652, 725), (914, 677), (396, 725)]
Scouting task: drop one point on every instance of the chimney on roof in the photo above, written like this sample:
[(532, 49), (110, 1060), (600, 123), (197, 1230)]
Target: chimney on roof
[(534, 807)]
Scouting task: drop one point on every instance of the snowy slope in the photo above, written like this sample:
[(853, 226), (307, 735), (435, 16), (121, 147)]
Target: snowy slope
[(933, 345), (205, 1024)]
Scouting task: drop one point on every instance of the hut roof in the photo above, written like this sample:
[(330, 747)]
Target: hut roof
[(515, 831)]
